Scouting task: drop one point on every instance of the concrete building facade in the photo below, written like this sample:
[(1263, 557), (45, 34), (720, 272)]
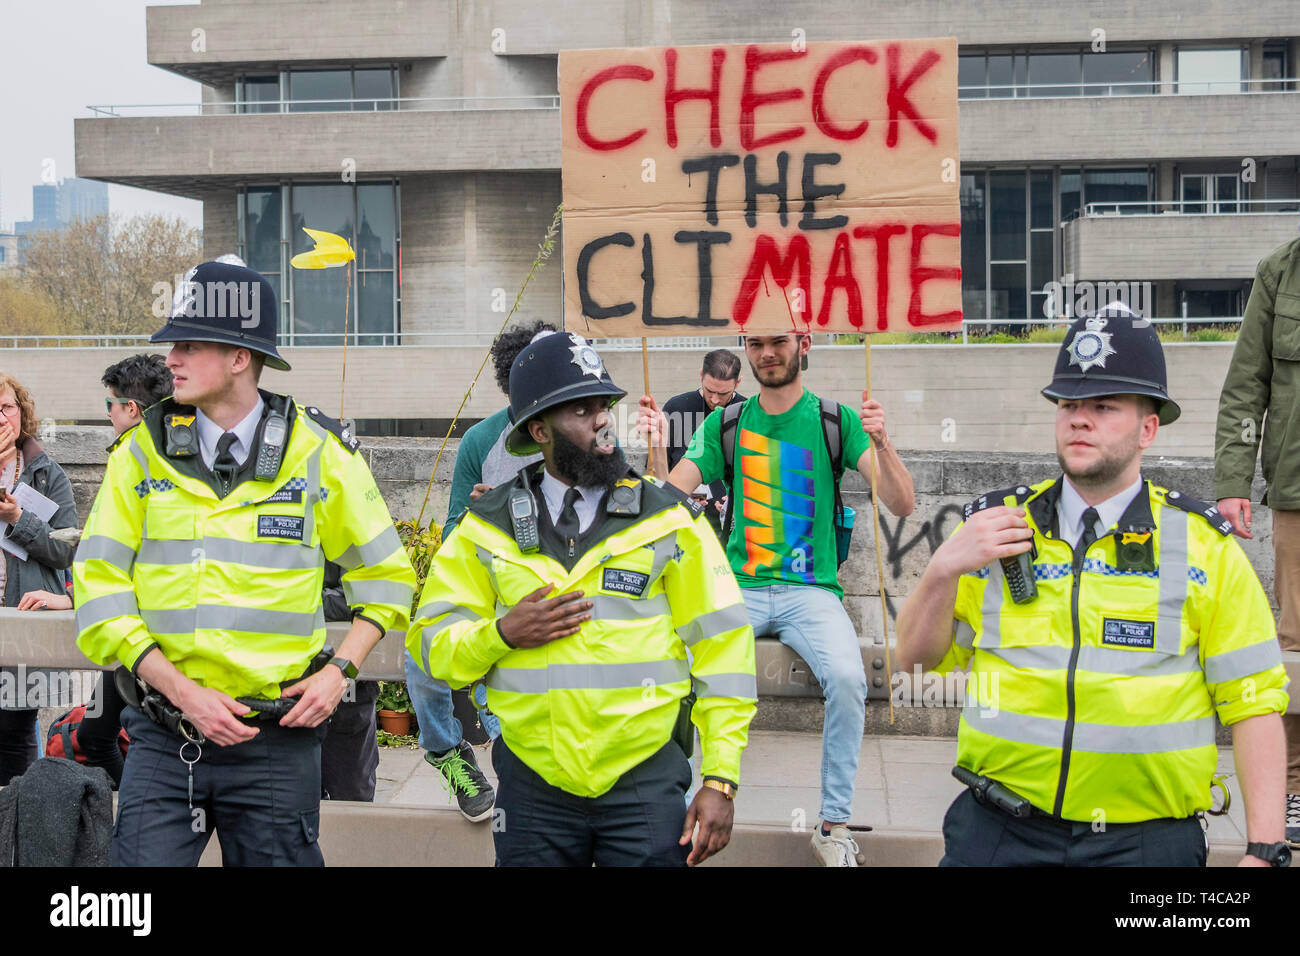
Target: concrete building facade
[(1109, 142)]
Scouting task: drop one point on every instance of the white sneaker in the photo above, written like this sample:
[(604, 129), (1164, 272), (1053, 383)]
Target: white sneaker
[(838, 849)]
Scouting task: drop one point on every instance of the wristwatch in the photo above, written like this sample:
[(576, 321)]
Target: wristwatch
[(346, 666), (724, 787), (1274, 854)]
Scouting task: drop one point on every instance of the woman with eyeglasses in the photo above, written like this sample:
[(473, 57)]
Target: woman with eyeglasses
[(24, 462)]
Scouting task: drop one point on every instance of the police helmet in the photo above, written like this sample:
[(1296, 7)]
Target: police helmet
[(555, 368), (1113, 351), (225, 302)]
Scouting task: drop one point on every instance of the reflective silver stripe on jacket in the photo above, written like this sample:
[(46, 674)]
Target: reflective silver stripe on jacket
[(614, 607), (1092, 738), (100, 547), (105, 608), (1173, 579), (1099, 660), (254, 554), (713, 623), (744, 686), (518, 680), (991, 608), (378, 592), (1244, 661), (371, 553), (223, 617)]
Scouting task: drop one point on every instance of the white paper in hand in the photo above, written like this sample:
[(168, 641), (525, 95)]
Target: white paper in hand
[(29, 499)]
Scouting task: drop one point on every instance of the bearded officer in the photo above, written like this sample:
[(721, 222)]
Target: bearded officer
[(596, 603), (1106, 623), (200, 571)]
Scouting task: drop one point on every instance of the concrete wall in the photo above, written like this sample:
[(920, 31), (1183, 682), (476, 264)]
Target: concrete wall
[(974, 398), (1173, 246)]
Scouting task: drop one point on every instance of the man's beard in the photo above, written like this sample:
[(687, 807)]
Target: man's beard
[(784, 375), (1102, 473), (584, 467)]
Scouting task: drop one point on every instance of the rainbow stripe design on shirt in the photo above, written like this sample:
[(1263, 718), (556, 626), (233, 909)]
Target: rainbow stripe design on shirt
[(777, 488)]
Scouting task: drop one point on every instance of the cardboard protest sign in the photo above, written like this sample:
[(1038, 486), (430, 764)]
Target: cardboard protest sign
[(716, 189)]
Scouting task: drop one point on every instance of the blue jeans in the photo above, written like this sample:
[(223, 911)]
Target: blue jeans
[(812, 622), (440, 731)]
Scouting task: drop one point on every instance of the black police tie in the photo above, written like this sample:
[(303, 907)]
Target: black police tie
[(1090, 519), (225, 466), (567, 526)]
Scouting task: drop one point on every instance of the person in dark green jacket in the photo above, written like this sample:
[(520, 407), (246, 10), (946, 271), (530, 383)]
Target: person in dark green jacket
[(1259, 414)]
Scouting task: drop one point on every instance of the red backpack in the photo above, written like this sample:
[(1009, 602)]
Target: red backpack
[(62, 738)]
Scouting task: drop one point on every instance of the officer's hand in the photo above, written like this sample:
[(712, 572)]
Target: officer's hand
[(873, 420), (713, 813), (479, 491), (537, 620), (213, 713), (987, 536), (651, 423), (320, 695), (1237, 510)]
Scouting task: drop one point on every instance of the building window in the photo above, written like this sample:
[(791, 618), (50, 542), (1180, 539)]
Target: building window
[(1210, 192), (319, 91), (1050, 73), (312, 300), (1202, 72)]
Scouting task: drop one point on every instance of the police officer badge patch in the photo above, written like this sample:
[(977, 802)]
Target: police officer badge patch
[(585, 357), (1091, 346)]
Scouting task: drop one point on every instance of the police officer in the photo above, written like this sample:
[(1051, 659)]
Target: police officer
[(1106, 623), (577, 589), (200, 570)]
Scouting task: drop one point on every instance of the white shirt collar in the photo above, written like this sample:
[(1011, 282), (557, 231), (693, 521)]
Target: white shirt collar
[(210, 431), (589, 497), (1071, 507)]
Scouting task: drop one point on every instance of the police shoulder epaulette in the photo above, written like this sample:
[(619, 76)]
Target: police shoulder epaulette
[(686, 501), (335, 427), (994, 499), (1196, 507)]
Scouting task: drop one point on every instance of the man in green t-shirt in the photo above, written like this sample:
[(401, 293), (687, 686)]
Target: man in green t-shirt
[(782, 545)]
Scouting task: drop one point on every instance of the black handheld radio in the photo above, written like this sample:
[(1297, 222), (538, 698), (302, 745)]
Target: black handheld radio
[(1019, 571), (523, 520), (271, 451)]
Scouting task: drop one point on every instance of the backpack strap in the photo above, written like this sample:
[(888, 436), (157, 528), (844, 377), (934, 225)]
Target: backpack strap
[(730, 429), (831, 435)]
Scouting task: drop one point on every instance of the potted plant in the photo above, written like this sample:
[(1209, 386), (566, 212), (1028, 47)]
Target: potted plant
[(394, 706)]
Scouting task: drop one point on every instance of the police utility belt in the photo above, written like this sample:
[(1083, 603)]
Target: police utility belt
[(157, 707)]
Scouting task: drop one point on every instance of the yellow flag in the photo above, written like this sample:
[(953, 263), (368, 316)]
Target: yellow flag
[(330, 251)]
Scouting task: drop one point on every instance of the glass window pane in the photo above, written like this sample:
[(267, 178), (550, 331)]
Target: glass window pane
[(375, 87), (1193, 194), (318, 293), (1038, 306), (1070, 194), (1116, 186), (1007, 214), (375, 302), (1225, 192), (332, 87), (1040, 199), (970, 72), (1119, 68), (972, 245), (1054, 68), (261, 94), (1209, 71), (377, 230), (262, 229), (1000, 74), (1042, 266), (1007, 296)]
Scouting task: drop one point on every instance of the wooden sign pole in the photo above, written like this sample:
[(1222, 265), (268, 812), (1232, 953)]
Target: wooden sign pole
[(880, 563)]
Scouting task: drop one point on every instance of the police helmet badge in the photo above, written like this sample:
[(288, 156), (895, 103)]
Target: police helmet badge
[(1091, 346), (586, 357)]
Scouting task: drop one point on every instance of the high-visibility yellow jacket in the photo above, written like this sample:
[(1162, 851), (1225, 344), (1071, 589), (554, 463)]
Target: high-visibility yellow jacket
[(583, 710), (1097, 700), (230, 588)]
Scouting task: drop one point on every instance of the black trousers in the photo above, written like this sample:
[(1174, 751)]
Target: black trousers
[(262, 797), (978, 835), (98, 733), (17, 741), (636, 823), (349, 756)]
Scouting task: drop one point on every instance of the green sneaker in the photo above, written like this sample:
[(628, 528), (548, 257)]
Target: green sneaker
[(462, 777)]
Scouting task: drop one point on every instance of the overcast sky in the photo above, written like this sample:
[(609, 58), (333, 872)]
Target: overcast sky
[(60, 56)]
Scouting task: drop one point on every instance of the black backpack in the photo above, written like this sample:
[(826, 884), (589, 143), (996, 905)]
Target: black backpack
[(830, 419)]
